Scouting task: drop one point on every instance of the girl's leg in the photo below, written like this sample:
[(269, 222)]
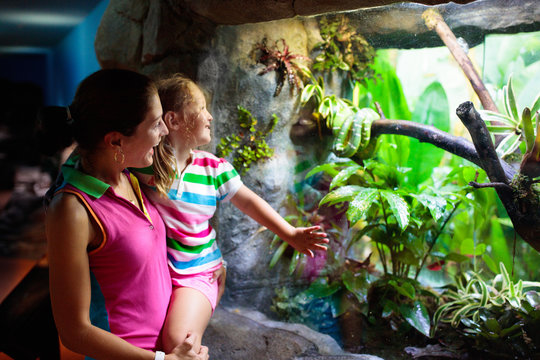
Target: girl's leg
[(189, 313)]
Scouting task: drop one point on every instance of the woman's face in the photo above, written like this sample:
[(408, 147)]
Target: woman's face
[(197, 120), (139, 148)]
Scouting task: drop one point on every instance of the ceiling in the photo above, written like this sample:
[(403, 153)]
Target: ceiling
[(30, 25)]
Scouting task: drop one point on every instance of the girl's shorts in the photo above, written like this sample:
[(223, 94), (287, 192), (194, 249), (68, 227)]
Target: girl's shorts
[(199, 281)]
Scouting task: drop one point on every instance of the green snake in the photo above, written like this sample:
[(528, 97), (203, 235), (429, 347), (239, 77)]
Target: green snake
[(352, 130)]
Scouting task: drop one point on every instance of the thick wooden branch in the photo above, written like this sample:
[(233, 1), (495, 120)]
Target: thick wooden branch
[(425, 133), (521, 205), (482, 142)]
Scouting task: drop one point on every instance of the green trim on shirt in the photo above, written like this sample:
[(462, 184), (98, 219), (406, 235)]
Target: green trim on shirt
[(84, 182)]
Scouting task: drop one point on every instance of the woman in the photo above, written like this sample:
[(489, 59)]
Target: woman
[(109, 281)]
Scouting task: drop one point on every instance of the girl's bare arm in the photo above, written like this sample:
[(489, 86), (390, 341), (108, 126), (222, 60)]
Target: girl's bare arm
[(304, 239)]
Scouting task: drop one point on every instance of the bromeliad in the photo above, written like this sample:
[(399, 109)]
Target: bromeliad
[(283, 62)]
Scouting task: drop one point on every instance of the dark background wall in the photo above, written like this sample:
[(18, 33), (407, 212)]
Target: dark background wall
[(57, 69)]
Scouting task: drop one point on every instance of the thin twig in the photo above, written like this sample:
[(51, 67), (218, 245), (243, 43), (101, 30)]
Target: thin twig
[(496, 185)]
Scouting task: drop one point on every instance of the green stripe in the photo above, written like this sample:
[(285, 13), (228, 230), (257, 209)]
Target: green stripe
[(173, 244), (198, 179), (224, 177)]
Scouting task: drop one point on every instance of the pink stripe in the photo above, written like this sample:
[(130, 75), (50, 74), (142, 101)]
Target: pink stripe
[(184, 217), (207, 162), (179, 234)]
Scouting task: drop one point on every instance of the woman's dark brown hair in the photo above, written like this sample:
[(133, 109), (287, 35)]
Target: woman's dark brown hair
[(108, 100)]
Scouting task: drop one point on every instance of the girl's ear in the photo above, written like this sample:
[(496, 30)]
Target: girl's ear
[(172, 120)]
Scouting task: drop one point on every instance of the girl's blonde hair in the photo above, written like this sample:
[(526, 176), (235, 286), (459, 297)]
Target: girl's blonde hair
[(175, 93)]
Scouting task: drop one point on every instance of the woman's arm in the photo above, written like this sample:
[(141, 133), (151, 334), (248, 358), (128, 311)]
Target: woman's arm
[(69, 231), (305, 240)]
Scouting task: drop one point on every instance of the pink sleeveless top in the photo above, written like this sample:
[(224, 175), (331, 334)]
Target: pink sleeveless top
[(131, 284)]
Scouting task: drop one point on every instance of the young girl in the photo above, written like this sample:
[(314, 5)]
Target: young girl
[(187, 186)]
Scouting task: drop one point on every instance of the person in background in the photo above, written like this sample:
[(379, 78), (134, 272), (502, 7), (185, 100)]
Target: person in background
[(109, 281), (186, 185)]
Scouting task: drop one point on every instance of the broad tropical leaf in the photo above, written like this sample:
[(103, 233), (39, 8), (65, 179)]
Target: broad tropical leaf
[(399, 208), (344, 175), (417, 316), (361, 204), (342, 194)]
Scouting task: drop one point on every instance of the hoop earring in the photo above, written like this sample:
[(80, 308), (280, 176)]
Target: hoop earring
[(116, 156)]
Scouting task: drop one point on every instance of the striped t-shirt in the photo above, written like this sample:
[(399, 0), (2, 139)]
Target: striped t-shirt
[(191, 203)]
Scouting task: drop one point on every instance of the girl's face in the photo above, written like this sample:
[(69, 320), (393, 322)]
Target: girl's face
[(139, 148), (196, 120)]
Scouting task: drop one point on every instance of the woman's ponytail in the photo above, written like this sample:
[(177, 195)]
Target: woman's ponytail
[(55, 129)]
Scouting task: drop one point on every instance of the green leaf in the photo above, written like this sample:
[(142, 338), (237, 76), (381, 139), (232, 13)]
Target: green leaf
[(528, 129), (360, 204), (509, 144), (307, 93), (417, 316), (468, 247), (510, 101), (294, 261), (536, 105), (463, 312), (435, 204), (510, 330), (501, 129), (342, 194), (344, 175), (327, 168), (489, 262), (389, 308), (277, 254), (493, 325), (399, 208), (507, 282), (321, 288), (405, 289), (492, 117)]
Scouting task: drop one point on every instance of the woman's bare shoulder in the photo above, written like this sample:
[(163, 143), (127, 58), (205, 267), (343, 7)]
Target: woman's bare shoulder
[(67, 211)]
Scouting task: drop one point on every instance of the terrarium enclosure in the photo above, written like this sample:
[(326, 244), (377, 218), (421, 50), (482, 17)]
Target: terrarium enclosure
[(408, 130)]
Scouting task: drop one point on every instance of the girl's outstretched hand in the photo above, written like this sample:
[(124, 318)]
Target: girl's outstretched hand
[(306, 240)]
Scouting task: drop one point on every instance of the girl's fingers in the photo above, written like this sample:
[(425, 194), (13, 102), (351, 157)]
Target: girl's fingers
[(312, 228)]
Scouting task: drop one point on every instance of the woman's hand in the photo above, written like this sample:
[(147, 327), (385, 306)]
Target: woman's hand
[(220, 275), (185, 351)]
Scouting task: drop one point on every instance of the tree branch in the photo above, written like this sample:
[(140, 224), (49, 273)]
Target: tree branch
[(481, 137), (434, 21), (495, 185), (429, 134)]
